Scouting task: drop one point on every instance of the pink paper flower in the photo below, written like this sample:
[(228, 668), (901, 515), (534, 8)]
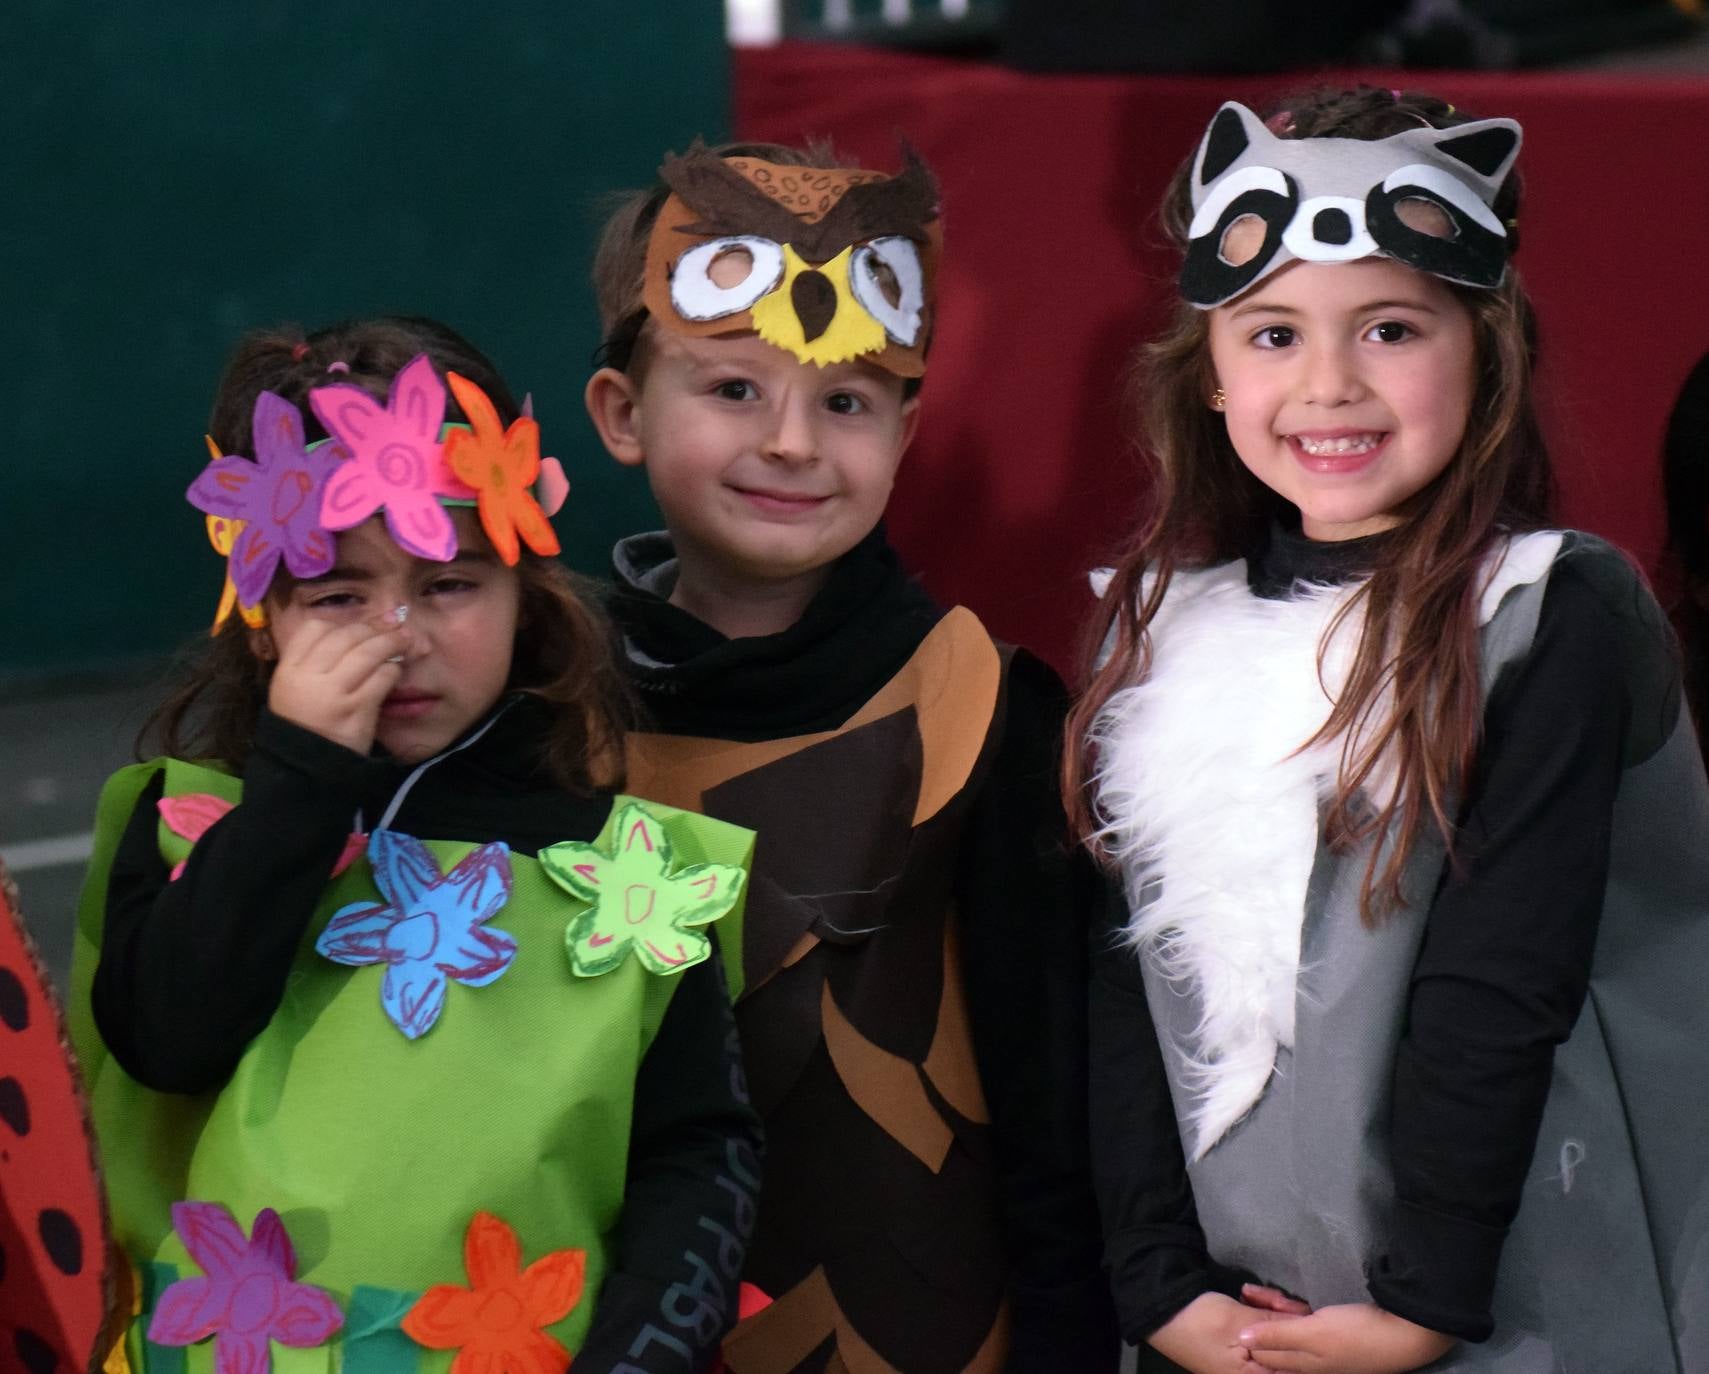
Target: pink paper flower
[(396, 461), (248, 1295), (191, 813)]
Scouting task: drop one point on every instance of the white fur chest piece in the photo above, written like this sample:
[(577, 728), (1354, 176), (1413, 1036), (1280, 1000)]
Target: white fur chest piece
[(1213, 806)]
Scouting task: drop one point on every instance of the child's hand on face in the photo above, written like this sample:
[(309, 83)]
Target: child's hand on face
[(1351, 1338), (1204, 1336), (332, 678)]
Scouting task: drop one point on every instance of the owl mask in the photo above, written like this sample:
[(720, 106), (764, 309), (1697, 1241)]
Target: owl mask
[(1421, 197), (833, 264)]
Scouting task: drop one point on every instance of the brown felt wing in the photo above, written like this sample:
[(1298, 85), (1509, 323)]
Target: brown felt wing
[(832, 823)]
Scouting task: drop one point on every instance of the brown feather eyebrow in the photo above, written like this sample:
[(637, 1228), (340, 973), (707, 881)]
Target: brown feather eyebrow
[(727, 202), (902, 205), (730, 204)]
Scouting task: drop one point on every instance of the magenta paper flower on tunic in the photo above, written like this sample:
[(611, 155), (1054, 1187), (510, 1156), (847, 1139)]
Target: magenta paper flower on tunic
[(277, 496), (429, 930), (396, 461), (248, 1296)]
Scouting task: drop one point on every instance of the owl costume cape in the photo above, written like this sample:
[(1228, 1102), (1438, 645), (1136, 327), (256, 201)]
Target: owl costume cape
[(912, 900), (1358, 1104), (393, 1062)]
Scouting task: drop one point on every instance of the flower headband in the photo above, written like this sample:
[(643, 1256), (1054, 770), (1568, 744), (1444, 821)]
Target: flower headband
[(286, 503), (1423, 197)]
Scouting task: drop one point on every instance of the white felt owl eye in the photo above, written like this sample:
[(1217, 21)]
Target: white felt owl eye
[(698, 297), (898, 259)]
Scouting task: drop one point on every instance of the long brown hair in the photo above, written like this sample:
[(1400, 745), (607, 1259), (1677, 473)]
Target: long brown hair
[(564, 647), (1413, 699)]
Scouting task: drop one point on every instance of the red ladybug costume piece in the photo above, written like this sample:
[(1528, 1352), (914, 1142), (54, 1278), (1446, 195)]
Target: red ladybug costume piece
[(53, 1231)]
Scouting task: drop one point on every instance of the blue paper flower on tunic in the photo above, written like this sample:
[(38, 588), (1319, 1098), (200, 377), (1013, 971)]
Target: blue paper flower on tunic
[(430, 928)]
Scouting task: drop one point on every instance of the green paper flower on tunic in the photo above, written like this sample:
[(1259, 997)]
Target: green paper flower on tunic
[(637, 901)]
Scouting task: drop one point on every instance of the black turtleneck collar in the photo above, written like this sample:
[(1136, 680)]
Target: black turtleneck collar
[(508, 756), (859, 629), (498, 786), (1286, 556)]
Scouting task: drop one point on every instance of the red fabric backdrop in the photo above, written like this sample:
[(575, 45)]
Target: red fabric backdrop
[(1021, 477)]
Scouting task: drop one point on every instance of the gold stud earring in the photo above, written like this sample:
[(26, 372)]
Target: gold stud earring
[(1219, 399)]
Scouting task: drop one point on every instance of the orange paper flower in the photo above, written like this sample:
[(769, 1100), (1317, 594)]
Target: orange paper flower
[(494, 1324), (501, 465)]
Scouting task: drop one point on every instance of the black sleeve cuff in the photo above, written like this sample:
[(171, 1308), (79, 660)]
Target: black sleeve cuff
[(287, 759), (1440, 1272), (1160, 1271)]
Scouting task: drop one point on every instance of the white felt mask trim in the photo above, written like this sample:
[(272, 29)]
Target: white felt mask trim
[(697, 297), (1226, 191), (1449, 188), (1298, 237), (901, 321)]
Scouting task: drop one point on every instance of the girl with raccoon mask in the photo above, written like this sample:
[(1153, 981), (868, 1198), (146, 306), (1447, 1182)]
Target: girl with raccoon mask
[(1397, 1045)]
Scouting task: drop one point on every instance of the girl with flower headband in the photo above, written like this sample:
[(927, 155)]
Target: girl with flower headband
[(1398, 1045), (406, 1035)]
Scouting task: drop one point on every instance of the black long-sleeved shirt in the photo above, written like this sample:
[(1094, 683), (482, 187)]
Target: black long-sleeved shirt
[(1498, 982), (192, 970)]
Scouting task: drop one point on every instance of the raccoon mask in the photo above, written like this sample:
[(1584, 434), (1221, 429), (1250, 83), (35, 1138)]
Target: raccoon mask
[(1421, 197)]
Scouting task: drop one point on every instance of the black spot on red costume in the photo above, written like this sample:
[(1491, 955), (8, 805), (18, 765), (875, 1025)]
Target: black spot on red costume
[(14, 1106), (53, 1236)]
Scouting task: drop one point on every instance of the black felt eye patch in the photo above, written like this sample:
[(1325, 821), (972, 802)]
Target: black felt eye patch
[(1474, 255), (1207, 278)]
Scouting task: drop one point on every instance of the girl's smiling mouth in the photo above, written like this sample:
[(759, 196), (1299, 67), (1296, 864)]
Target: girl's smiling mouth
[(1337, 451)]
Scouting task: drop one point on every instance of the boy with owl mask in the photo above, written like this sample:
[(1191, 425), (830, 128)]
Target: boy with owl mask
[(913, 1010)]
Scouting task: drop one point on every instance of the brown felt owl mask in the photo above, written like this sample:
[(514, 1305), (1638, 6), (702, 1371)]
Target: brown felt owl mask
[(831, 264)]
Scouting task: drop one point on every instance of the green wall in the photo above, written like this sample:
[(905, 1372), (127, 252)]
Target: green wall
[(176, 173)]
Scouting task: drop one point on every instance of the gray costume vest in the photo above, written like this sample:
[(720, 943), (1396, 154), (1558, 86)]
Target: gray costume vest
[(1606, 1268)]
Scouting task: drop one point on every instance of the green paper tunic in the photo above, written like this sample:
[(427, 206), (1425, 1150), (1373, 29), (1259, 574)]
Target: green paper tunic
[(375, 1150)]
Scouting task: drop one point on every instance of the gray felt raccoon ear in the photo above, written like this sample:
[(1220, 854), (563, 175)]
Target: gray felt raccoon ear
[(1233, 129), (1486, 149)]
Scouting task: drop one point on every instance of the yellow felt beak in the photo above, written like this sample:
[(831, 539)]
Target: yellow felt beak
[(826, 335)]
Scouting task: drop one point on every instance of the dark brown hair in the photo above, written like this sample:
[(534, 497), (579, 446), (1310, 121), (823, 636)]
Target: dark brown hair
[(620, 259), (1413, 699), (563, 652)]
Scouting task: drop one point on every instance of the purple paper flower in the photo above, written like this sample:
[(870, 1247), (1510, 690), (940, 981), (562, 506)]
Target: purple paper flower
[(248, 1296), (277, 496), (396, 460), (429, 929)]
